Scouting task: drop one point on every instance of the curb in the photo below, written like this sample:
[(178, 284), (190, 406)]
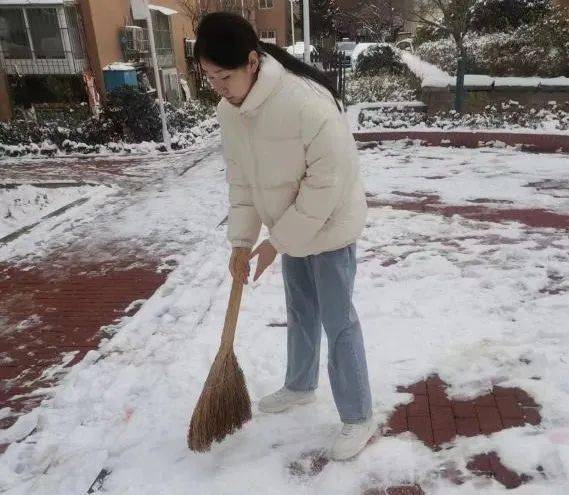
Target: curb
[(548, 143)]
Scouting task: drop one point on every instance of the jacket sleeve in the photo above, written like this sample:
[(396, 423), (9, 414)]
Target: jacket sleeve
[(324, 136), (244, 223)]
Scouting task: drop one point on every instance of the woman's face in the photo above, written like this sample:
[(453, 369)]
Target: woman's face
[(233, 84)]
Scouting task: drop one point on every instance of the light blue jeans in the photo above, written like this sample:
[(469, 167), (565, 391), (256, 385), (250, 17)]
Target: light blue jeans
[(318, 292)]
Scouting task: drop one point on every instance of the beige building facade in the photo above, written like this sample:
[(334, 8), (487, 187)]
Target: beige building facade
[(72, 42)]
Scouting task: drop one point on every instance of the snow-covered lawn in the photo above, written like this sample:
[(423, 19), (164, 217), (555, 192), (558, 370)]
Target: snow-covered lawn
[(463, 300)]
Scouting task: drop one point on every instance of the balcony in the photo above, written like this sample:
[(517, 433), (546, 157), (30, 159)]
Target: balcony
[(162, 38), (38, 40)]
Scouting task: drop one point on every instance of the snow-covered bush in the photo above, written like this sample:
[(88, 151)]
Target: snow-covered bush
[(111, 133), (188, 115), (386, 87), (534, 49), (378, 59), (510, 115), (380, 75), (132, 114), (490, 16)]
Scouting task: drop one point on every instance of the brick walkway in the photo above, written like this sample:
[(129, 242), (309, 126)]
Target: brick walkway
[(435, 420), (49, 313), (55, 309), (430, 203), (59, 307)]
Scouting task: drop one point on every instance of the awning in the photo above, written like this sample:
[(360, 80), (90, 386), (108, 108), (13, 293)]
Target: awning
[(163, 10)]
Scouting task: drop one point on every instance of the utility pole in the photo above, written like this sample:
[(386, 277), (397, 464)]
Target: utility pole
[(306, 30), (140, 11), (292, 26)]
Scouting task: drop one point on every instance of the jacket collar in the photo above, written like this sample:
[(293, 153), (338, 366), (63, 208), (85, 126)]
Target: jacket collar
[(270, 75)]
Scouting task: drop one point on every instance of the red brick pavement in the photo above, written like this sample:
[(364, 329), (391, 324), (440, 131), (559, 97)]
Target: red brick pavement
[(69, 306), (430, 203), (435, 419)]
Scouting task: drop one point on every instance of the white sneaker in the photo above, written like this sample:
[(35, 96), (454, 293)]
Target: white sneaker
[(352, 439), (284, 399)]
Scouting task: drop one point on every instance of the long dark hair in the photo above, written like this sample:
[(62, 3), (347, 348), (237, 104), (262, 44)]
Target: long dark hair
[(226, 39)]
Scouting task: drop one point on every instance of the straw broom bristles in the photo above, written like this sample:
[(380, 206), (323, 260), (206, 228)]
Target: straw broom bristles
[(224, 404)]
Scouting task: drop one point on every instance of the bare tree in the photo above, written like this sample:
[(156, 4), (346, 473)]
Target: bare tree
[(455, 18), (373, 20), (380, 20), (196, 9)]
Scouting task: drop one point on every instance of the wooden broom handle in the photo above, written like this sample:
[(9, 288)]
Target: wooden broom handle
[(228, 335)]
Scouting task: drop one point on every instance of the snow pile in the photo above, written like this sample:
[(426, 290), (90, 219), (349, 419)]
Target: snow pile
[(429, 74)]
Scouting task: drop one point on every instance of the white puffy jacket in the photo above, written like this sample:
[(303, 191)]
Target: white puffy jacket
[(292, 165)]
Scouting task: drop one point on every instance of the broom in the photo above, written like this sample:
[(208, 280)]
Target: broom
[(224, 404)]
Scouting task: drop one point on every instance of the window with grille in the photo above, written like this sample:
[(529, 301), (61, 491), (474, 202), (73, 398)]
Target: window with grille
[(74, 30), (13, 35), (162, 37), (266, 4), (268, 34), (46, 34)]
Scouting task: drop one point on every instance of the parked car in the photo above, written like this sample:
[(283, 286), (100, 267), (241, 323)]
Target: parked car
[(298, 51), (346, 47)]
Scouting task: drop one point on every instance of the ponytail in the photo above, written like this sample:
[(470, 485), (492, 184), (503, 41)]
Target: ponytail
[(299, 68)]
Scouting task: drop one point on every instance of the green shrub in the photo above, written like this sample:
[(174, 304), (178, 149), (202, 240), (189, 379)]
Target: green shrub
[(380, 59), (132, 114), (540, 49), (490, 16)]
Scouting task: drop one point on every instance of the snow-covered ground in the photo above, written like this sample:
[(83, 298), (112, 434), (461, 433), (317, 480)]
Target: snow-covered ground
[(24, 204), (462, 301)]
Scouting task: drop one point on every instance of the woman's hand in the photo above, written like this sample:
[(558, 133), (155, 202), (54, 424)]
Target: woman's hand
[(239, 263), (267, 254)]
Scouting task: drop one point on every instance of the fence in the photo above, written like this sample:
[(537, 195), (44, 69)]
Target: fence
[(334, 65)]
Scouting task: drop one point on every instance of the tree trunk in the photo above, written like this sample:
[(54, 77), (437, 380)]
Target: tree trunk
[(459, 89)]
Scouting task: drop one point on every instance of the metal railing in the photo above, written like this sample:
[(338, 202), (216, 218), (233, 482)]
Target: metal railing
[(35, 54), (64, 63), (333, 64)]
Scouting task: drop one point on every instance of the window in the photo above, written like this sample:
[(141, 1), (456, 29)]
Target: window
[(13, 36), (162, 37), (74, 31), (161, 25), (46, 35), (266, 4), (268, 34)]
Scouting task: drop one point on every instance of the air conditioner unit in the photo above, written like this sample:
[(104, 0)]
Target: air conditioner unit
[(189, 47), (133, 39)]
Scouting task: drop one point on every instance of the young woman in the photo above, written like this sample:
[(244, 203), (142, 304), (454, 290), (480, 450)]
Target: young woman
[(292, 165)]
